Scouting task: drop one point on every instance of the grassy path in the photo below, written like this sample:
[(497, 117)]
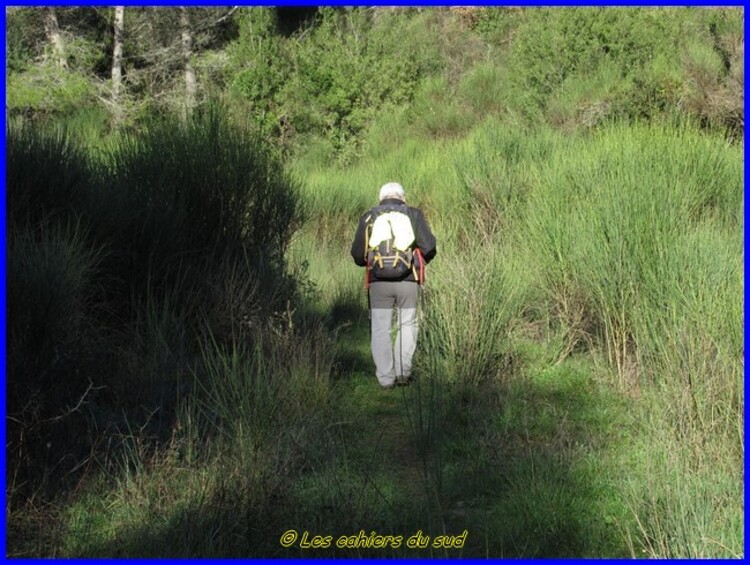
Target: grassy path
[(529, 466), (373, 477)]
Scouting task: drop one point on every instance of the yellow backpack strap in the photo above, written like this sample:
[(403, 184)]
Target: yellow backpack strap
[(368, 231)]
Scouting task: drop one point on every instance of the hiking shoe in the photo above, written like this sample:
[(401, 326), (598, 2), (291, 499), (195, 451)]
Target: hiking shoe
[(404, 381), (388, 387)]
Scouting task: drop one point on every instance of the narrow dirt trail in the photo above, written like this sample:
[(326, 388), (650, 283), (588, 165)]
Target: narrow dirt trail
[(382, 417)]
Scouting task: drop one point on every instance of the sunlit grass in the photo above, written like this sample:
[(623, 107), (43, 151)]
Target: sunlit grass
[(579, 371)]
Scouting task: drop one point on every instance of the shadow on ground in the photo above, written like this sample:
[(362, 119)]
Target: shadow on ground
[(520, 464), (528, 470)]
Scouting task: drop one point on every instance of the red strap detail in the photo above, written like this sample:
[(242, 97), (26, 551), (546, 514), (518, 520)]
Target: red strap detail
[(418, 253)]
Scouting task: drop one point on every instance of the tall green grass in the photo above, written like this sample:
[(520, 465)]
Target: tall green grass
[(637, 233), (238, 445), (620, 247), (123, 261), (471, 305), (47, 175), (55, 302), (54, 338), (198, 189), (579, 373), (605, 222)]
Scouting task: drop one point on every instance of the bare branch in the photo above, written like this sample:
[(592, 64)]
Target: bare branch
[(81, 401)]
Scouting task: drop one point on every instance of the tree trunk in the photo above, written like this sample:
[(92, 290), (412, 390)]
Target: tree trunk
[(187, 53), (119, 28), (55, 38)]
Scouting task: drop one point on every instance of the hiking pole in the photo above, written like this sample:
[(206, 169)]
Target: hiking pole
[(367, 290), (422, 286)]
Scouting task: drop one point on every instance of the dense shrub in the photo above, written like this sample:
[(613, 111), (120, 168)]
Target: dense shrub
[(582, 66), (354, 62), (47, 175), (608, 219), (260, 70), (198, 190), (53, 296), (119, 264)]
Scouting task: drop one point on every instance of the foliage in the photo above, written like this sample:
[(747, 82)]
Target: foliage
[(651, 59), (497, 25), (601, 199), (181, 354), (333, 73), (118, 263), (47, 175), (201, 188), (36, 86), (553, 44), (41, 91), (259, 70), (54, 298), (24, 32), (154, 64), (353, 64), (715, 89), (84, 31)]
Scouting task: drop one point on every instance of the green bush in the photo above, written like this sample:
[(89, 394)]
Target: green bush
[(552, 45), (198, 190), (714, 66), (40, 91), (354, 62), (54, 297), (261, 68), (496, 25), (472, 305), (118, 262), (47, 176), (44, 90), (437, 112), (54, 338)]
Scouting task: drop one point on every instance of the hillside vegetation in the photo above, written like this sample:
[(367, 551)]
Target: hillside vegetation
[(188, 365)]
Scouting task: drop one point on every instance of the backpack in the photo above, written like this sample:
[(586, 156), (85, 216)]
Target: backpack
[(390, 241)]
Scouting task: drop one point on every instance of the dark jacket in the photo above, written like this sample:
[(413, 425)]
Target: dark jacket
[(424, 239)]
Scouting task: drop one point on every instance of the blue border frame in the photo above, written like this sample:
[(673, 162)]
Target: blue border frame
[(304, 3), (3, 310)]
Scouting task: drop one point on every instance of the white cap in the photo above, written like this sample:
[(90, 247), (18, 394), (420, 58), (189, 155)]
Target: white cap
[(392, 190)]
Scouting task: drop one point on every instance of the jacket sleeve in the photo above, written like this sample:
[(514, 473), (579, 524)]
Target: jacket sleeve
[(358, 245), (425, 239)]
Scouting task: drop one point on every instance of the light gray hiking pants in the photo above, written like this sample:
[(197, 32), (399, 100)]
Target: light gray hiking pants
[(393, 358)]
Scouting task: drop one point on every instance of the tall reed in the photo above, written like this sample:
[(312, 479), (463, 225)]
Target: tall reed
[(608, 211), (625, 241), (638, 231)]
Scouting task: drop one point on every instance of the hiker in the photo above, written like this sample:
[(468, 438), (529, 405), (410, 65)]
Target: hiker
[(394, 243)]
